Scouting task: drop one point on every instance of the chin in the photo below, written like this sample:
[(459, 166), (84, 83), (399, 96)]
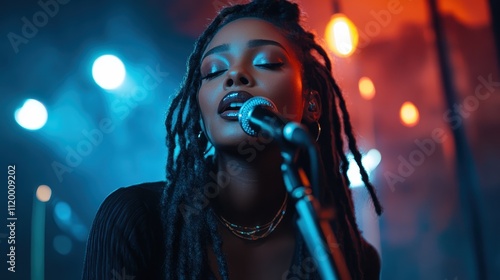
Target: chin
[(231, 140), (244, 146)]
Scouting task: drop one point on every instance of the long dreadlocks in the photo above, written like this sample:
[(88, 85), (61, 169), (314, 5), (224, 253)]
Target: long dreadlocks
[(188, 229)]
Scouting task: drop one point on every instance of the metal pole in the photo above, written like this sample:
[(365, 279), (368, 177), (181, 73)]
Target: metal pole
[(465, 168), (495, 24), (336, 6)]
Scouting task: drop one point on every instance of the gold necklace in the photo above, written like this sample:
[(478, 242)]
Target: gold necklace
[(256, 232)]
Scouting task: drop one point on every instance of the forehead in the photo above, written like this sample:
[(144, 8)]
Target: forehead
[(242, 30)]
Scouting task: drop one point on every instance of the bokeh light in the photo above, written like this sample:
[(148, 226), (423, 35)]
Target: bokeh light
[(341, 35), (370, 161), (366, 88), (409, 114), (80, 232), (32, 115), (108, 71), (62, 244), (62, 211), (43, 193)]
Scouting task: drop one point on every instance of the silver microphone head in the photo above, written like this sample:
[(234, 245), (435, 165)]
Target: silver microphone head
[(246, 111)]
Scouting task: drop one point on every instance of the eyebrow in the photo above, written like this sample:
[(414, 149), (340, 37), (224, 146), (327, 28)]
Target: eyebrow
[(262, 42), (251, 44), (217, 49)]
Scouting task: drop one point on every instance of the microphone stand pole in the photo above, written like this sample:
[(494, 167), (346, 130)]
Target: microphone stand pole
[(314, 222), (469, 189)]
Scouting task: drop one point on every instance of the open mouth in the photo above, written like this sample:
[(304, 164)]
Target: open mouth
[(231, 103)]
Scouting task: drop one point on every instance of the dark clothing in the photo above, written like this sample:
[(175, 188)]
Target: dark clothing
[(126, 240)]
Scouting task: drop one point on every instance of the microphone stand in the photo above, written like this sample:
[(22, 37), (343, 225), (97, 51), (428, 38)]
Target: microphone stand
[(313, 220)]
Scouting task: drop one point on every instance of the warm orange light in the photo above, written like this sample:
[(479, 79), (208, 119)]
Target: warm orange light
[(409, 114), (341, 35), (43, 193), (366, 88)]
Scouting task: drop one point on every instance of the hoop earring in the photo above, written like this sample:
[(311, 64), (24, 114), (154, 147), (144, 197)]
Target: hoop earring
[(203, 140), (319, 131)]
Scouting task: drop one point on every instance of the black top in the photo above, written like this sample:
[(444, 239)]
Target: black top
[(126, 239)]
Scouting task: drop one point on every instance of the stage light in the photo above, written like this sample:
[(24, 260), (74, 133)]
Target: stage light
[(108, 71), (62, 244), (62, 212), (69, 222), (32, 115), (43, 193), (80, 232), (409, 114), (341, 35), (370, 161), (366, 88)]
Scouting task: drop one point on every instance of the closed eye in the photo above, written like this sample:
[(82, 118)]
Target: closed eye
[(212, 75), (270, 66)]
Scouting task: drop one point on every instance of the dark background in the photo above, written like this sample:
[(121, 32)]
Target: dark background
[(424, 232)]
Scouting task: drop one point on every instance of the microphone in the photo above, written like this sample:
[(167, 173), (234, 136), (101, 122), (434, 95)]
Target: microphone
[(259, 114)]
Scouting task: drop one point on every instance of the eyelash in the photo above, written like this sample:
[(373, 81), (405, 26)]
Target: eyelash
[(210, 76), (270, 66)]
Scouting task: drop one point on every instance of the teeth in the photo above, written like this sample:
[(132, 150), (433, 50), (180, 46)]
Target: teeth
[(235, 105)]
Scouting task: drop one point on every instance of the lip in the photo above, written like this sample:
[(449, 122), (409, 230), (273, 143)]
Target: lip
[(231, 103)]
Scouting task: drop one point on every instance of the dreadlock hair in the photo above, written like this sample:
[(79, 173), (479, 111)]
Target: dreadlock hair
[(187, 216)]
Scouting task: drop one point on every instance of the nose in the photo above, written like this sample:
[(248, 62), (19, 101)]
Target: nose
[(238, 76)]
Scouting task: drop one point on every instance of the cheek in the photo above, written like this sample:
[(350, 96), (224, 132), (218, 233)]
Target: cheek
[(205, 101), (290, 99)]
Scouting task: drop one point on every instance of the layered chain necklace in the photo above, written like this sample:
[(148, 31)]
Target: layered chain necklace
[(257, 232)]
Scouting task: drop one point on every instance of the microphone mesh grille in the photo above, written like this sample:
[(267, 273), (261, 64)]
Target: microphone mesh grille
[(246, 111)]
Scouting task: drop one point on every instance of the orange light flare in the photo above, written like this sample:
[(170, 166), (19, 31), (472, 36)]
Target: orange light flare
[(366, 88), (409, 114), (341, 35)]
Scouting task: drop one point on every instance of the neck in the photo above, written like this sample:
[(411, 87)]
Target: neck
[(252, 190)]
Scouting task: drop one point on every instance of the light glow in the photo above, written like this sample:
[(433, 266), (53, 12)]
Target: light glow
[(366, 88), (32, 115), (341, 35), (62, 211), (409, 114), (369, 160), (43, 193), (108, 71), (62, 244)]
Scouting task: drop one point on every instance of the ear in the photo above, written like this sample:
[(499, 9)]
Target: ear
[(312, 107)]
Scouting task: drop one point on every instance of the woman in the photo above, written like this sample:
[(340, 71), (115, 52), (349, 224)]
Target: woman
[(224, 212)]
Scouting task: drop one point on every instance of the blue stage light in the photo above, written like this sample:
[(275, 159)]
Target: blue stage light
[(370, 161), (108, 71), (63, 211), (32, 115), (62, 244)]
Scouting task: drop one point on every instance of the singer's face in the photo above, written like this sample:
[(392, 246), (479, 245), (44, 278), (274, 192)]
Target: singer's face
[(247, 57)]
